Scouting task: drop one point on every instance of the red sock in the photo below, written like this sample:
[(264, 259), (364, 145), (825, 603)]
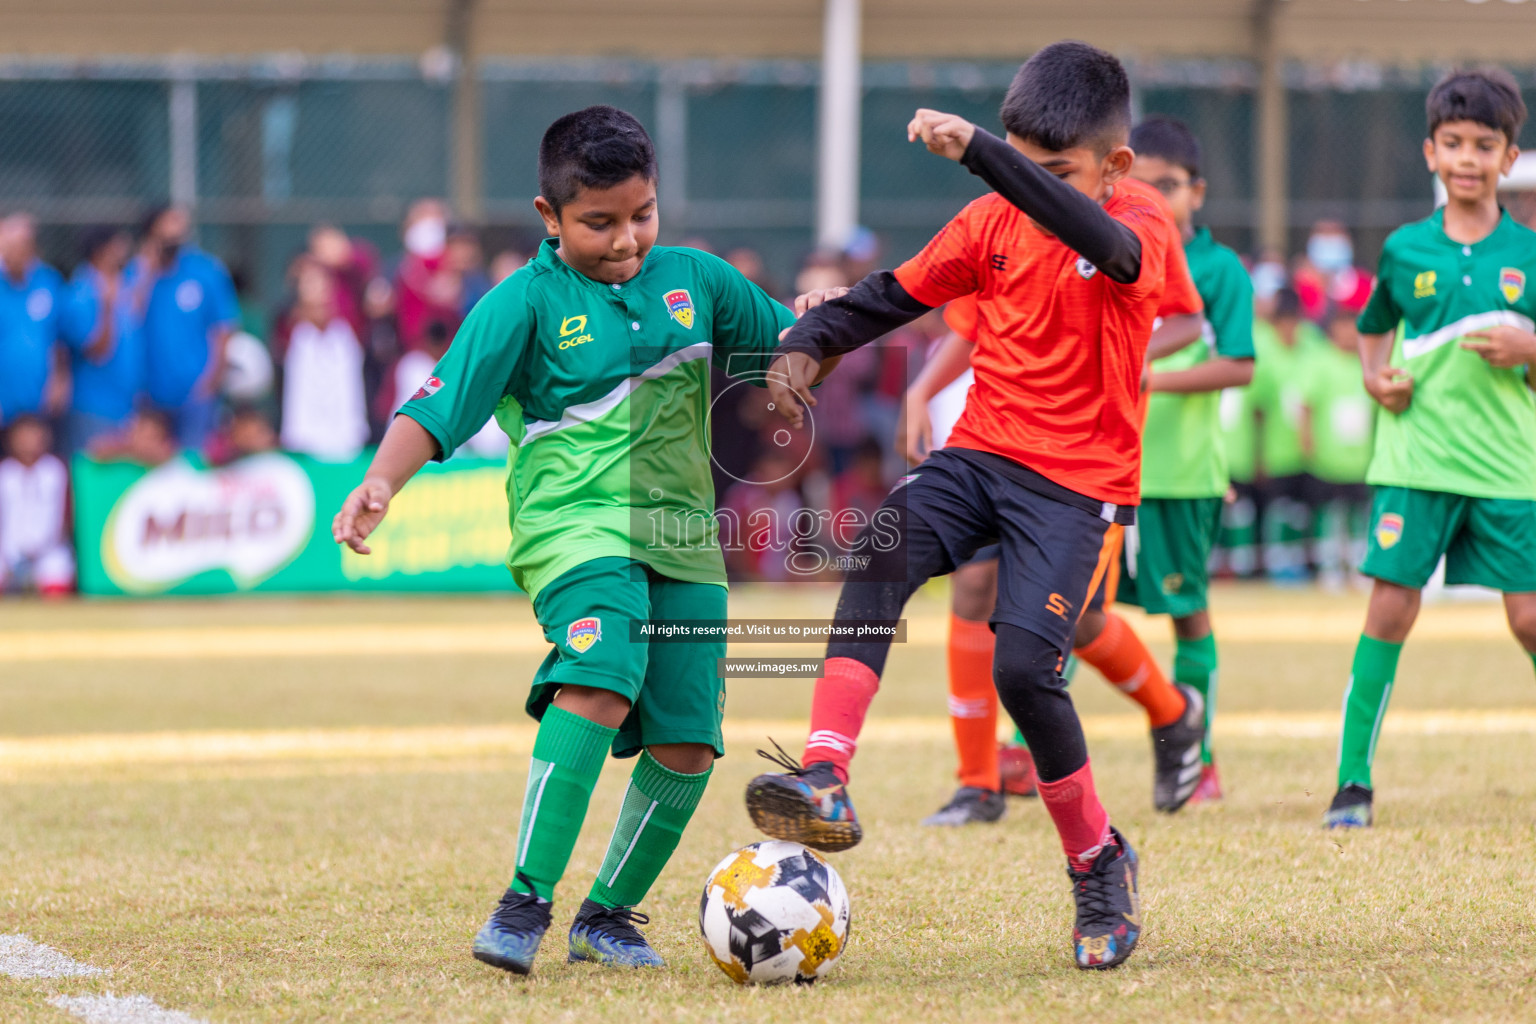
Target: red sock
[(1124, 660), (1080, 819), (841, 699), (973, 702)]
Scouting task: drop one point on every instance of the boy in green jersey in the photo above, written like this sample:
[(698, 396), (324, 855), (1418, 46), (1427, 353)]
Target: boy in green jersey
[(594, 358), (1184, 467), (1447, 348), (1336, 425)]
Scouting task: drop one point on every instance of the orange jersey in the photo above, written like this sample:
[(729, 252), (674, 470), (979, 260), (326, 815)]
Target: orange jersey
[(1059, 346)]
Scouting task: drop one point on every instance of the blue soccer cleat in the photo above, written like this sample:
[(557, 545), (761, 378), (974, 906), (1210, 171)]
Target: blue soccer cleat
[(511, 936), (607, 935), (807, 805), (1108, 907), (1351, 808)]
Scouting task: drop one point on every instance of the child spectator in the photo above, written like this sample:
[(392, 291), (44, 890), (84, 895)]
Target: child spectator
[(34, 512), (429, 293), (149, 440), (247, 431), (324, 412)]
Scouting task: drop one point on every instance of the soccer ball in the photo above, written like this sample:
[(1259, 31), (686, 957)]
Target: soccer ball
[(774, 912)]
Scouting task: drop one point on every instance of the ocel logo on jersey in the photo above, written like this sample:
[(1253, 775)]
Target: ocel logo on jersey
[(583, 633), (431, 387), (1424, 284), (571, 331), (1512, 284), (680, 306), (1389, 530), (1085, 270)]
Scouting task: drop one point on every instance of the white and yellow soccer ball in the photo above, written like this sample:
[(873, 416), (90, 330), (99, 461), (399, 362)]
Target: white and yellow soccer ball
[(774, 912)]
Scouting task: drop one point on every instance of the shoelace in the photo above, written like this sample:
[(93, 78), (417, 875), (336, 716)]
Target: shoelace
[(520, 911), (1098, 905), (782, 758), (619, 922)]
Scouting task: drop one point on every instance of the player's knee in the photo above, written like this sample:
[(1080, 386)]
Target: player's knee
[(1522, 622), (683, 758), (1026, 669), (1089, 627)]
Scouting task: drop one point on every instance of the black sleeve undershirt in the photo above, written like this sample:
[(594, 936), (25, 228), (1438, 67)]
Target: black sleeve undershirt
[(874, 307), (1056, 206)]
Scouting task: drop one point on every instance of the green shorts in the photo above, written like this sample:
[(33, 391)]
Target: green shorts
[(675, 690), (1163, 565), (1487, 541)]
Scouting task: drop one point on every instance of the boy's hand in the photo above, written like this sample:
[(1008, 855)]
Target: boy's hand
[(1503, 347), (914, 439), (810, 300), (946, 135), (1391, 386), (361, 514), (789, 386)]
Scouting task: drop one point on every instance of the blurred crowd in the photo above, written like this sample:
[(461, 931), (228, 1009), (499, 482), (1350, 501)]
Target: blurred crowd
[(151, 349)]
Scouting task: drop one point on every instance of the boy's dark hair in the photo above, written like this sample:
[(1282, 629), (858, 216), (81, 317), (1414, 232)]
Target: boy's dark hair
[(1068, 95), (1488, 96), (1287, 303), (1170, 140), (152, 217), (598, 147)]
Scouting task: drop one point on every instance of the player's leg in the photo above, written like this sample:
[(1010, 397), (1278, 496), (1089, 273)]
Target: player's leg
[(1052, 557), (923, 529), (1190, 530), (1494, 550), (1410, 530), (972, 697), (675, 730), (581, 695)]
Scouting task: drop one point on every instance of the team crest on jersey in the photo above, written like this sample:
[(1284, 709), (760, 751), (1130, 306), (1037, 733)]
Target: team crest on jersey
[(680, 306), (1389, 530), (431, 387), (1085, 270), (1512, 284), (583, 633), (1424, 284)]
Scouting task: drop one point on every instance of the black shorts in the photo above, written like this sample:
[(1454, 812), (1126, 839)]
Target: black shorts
[(1051, 551)]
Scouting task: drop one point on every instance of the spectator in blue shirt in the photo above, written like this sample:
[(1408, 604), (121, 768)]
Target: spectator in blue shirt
[(105, 340), (33, 378), (189, 311)]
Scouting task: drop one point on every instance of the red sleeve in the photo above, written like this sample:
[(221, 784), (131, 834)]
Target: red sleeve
[(1145, 212), (946, 268), (1179, 296)]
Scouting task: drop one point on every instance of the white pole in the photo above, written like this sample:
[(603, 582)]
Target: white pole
[(837, 171), (183, 111)]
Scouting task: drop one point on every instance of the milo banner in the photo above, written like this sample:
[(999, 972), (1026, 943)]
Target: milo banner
[(263, 523)]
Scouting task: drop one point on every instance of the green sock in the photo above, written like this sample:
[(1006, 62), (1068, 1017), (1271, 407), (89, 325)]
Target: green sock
[(1194, 664), (1365, 705), (656, 809), (568, 756), (1528, 654)]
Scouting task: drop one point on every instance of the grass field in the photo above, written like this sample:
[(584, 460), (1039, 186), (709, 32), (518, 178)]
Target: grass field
[(301, 810)]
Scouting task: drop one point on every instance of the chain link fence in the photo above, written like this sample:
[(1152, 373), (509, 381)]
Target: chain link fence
[(262, 150)]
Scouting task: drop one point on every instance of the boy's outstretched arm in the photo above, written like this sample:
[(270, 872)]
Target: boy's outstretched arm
[(1211, 375), (405, 449), (1070, 215), (914, 435)]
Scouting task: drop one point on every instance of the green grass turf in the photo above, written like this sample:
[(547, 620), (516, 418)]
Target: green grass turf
[(349, 892)]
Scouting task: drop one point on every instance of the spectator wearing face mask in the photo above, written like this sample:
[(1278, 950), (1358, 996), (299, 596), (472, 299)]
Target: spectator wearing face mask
[(429, 289), (189, 309), (1327, 275), (34, 379), (324, 412)]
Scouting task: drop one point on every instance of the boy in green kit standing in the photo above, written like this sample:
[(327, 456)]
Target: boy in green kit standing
[(1184, 469), (594, 358), (1336, 437), (1447, 348)]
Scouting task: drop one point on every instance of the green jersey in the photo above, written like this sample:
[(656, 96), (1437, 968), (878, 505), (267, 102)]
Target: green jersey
[(1183, 453), (604, 390), (1470, 429), (1276, 394), (1239, 436), (1340, 412)]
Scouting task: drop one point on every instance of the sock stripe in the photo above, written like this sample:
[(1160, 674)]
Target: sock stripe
[(1381, 715), (533, 814), (633, 840), (833, 740)]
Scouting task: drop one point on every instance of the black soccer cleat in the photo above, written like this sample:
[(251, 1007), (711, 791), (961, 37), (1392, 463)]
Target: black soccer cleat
[(1108, 922), (807, 805), (511, 937), (969, 805), (1176, 754), (1351, 808), (607, 935)]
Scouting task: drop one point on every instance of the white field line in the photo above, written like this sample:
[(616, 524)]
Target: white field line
[(20, 957), (427, 743), (110, 1009), (1445, 623)]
